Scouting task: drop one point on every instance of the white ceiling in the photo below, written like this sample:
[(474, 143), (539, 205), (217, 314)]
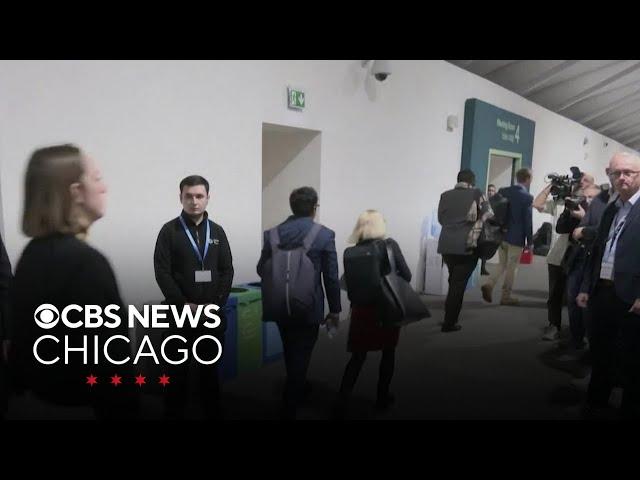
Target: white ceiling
[(603, 95)]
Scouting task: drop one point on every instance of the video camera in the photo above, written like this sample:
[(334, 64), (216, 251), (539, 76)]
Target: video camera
[(563, 186)]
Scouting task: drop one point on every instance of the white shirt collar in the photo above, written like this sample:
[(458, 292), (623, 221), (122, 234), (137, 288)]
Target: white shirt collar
[(632, 200)]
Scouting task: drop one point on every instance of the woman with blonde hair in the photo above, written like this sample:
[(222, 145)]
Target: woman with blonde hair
[(366, 332), (64, 194)]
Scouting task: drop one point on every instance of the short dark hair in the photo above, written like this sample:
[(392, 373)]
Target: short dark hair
[(467, 176), (490, 185), (303, 201), (192, 181), (523, 175)]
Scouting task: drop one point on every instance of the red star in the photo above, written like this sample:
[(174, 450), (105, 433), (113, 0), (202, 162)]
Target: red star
[(91, 380), (163, 380), (116, 380), (140, 380)]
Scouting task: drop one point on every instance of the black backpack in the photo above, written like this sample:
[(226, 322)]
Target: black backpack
[(289, 280), (363, 272), (500, 206)]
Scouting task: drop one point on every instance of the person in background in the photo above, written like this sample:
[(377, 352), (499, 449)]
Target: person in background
[(299, 335), (366, 332), (461, 212), (64, 195), (519, 235)]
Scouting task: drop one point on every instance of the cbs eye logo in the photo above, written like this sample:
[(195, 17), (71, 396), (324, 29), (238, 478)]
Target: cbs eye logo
[(46, 316)]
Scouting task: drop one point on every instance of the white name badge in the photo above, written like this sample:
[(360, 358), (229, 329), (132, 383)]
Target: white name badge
[(203, 276), (606, 270)]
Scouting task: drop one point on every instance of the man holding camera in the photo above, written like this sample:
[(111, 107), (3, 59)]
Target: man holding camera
[(611, 289), (571, 216), (580, 214)]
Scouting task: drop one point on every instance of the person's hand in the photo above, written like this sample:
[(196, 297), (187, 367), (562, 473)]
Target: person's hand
[(582, 300), (635, 308), (579, 213), (577, 234), (332, 320)]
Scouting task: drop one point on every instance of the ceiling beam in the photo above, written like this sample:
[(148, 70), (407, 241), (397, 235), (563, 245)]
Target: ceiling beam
[(631, 141), (497, 71), (623, 137), (538, 82), (610, 107), (618, 121), (589, 91), (574, 77)]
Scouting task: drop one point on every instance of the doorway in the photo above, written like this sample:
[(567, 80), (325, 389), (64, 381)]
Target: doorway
[(290, 159)]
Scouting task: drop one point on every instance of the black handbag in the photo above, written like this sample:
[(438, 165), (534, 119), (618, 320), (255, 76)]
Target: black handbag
[(402, 304), (489, 240)]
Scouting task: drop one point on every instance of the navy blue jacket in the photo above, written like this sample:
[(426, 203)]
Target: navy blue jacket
[(520, 224), (626, 264), (323, 255)]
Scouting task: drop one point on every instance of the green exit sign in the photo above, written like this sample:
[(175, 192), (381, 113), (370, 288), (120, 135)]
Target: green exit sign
[(296, 98)]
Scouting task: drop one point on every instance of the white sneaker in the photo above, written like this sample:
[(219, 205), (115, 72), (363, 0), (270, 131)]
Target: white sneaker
[(551, 333)]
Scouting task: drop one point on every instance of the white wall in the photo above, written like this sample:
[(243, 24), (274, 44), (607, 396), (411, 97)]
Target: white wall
[(384, 145), (290, 159)]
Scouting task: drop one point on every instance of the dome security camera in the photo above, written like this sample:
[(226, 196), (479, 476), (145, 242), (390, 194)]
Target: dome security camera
[(381, 70)]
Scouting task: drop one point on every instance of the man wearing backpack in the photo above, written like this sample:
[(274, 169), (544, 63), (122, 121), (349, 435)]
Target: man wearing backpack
[(295, 256), (461, 212)]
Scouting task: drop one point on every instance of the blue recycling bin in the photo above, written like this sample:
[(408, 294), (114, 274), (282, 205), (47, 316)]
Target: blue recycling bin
[(229, 361), (231, 364), (271, 342)]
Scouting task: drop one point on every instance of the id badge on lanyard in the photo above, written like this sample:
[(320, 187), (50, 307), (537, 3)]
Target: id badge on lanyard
[(201, 276)]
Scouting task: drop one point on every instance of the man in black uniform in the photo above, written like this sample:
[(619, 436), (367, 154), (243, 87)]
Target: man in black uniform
[(193, 266)]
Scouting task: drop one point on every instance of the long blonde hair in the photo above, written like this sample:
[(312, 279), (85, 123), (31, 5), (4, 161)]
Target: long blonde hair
[(370, 225), (48, 205)]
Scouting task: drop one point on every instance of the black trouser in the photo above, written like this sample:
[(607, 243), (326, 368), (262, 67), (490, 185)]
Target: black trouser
[(297, 344), (577, 316), (614, 337), (208, 380), (460, 269), (353, 368), (557, 293)]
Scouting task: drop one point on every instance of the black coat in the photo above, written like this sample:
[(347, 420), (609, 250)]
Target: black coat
[(62, 270), (627, 257)]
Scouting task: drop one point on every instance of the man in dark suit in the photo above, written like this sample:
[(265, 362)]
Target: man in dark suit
[(519, 234), (299, 336), (611, 289)]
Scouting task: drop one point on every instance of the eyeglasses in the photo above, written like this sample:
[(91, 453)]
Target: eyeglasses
[(626, 173)]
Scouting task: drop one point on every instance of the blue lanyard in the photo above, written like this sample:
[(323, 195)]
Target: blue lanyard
[(193, 243)]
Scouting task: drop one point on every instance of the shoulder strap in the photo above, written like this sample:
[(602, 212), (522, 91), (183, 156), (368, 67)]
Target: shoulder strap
[(392, 259), (274, 239), (311, 236)]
